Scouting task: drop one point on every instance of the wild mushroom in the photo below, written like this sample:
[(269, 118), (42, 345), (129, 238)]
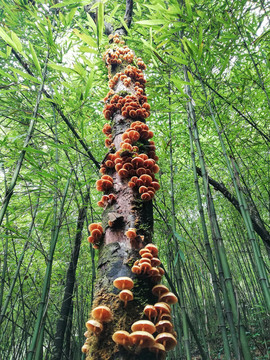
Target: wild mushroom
[(168, 298), (158, 350), (85, 348), (142, 339), (159, 290), (121, 337), (124, 282), (102, 313), (94, 326), (152, 248), (143, 325), (150, 312), (125, 295), (167, 340), (164, 326)]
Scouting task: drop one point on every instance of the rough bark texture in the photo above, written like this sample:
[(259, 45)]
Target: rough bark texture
[(118, 253)]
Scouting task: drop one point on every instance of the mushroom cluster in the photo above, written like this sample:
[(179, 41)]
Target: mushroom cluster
[(149, 263), (96, 231), (101, 314), (125, 284)]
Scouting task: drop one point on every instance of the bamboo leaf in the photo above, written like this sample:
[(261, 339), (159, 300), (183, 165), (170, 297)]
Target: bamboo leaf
[(35, 59), (25, 75), (86, 38), (61, 68), (100, 23), (151, 22), (89, 83)]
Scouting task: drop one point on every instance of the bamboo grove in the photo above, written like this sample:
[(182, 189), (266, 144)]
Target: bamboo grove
[(207, 82)]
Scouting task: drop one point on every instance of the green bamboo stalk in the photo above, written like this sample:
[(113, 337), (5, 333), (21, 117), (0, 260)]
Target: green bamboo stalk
[(15, 277), (47, 278), (245, 213), (216, 231), (209, 254), (28, 138), (179, 283)]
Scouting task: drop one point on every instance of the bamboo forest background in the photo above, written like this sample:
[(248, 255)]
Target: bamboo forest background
[(208, 86)]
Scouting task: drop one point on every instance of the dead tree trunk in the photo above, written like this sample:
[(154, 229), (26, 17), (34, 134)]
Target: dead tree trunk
[(129, 184)]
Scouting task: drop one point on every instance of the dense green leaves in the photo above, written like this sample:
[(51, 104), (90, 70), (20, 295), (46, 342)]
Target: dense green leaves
[(225, 49)]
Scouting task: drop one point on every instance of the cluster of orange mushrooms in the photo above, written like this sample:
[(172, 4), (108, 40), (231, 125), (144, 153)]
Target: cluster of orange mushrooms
[(135, 163), (143, 331)]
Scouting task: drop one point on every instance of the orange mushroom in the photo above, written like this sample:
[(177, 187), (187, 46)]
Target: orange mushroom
[(124, 282), (125, 295), (102, 313), (150, 311), (131, 233), (143, 325), (94, 326), (142, 339), (167, 340), (121, 337), (168, 298)]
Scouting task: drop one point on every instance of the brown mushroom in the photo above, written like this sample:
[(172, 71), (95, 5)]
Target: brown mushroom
[(142, 339), (168, 298), (158, 350), (155, 261), (152, 248), (167, 340), (85, 348), (159, 290), (124, 282), (94, 326), (164, 326), (121, 337), (125, 295), (143, 325), (150, 312), (102, 313)]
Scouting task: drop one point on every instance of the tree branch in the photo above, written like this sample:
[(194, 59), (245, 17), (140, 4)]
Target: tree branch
[(255, 217)]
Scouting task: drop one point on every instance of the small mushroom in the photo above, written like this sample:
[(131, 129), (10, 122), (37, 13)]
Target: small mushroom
[(143, 325), (150, 312), (124, 282), (152, 248), (121, 337), (102, 313), (85, 348), (164, 326), (158, 350), (168, 298), (167, 340), (125, 295), (159, 290), (142, 339), (94, 326)]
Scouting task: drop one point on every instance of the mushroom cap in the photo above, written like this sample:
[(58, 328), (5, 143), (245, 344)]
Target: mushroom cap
[(152, 248), (168, 298), (136, 269), (165, 317), (155, 261), (145, 267), (131, 233), (147, 255), (142, 338), (94, 326), (102, 313), (158, 349), (143, 325), (121, 337), (159, 290), (153, 272), (161, 271), (95, 226), (145, 260), (123, 283), (167, 339), (164, 326), (150, 311), (126, 295), (162, 308), (143, 251)]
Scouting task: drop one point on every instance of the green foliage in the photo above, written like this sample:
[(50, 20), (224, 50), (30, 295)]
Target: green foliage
[(226, 52)]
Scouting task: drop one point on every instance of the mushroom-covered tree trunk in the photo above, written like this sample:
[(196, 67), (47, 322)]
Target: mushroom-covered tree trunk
[(129, 185)]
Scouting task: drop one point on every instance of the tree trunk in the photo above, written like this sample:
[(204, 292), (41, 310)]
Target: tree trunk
[(117, 252)]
